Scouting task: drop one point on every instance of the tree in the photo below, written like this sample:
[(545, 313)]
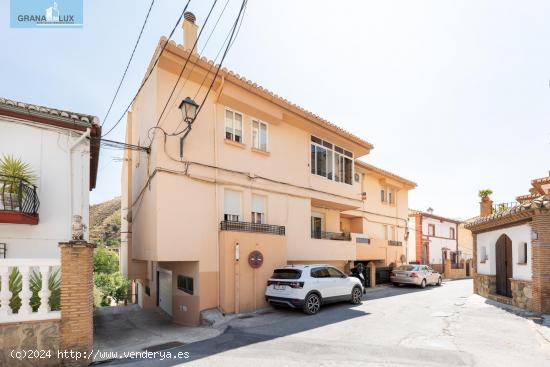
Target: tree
[(105, 261), (112, 286)]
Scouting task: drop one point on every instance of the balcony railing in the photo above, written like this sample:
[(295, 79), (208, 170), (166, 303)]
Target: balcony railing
[(29, 289), (228, 225), (500, 207), (18, 195), (337, 236), (395, 243)]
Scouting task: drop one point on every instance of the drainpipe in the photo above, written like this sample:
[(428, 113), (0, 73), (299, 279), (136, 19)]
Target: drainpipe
[(69, 157)]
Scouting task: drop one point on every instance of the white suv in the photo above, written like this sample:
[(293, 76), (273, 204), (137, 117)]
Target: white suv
[(309, 286)]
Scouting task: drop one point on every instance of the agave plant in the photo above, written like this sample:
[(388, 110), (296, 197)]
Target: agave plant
[(35, 285), (15, 169)]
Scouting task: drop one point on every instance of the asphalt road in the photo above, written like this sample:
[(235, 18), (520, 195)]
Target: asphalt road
[(438, 326)]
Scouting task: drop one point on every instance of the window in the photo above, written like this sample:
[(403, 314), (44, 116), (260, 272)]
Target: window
[(317, 225), (233, 126), (331, 161), (383, 195), (391, 233), (452, 233), (259, 135), (286, 274), (391, 196), (522, 253), (320, 273), (185, 284), (258, 209), (483, 254), (232, 206), (431, 229), (335, 273)]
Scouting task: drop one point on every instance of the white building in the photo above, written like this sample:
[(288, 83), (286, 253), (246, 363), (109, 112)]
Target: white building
[(434, 238), (56, 145)]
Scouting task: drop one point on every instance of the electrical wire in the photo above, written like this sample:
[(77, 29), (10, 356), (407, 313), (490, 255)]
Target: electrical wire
[(129, 61), (183, 68), (150, 71), (200, 53), (232, 37)]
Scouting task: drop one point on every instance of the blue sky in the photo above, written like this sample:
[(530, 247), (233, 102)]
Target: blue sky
[(454, 95)]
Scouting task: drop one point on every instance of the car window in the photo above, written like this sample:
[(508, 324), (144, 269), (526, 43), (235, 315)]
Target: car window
[(286, 274), (320, 273), (407, 267), (335, 273)]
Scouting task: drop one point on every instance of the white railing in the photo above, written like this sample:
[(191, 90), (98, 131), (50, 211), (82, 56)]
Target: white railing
[(25, 269)]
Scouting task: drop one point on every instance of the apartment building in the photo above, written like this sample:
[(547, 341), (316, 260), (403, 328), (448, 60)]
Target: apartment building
[(435, 238), (255, 183)]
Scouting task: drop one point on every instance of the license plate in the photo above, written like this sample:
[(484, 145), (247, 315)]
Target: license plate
[(279, 287)]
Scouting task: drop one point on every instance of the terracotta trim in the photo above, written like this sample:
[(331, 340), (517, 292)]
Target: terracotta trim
[(18, 218)]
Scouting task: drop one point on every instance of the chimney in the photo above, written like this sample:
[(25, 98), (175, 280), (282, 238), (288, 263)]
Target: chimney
[(189, 31), (485, 206)]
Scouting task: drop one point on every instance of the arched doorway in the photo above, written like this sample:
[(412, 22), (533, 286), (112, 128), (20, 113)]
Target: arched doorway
[(503, 250)]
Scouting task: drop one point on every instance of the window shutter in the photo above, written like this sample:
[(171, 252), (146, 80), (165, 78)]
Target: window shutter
[(258, 204), (232, 202)]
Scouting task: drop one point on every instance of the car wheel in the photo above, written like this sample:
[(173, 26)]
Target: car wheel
[(395, 284), (423, 284), (439, 281), (356, 295), (312, 304)]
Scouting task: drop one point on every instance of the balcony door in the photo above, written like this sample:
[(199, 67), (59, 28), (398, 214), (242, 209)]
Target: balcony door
[(317, 225)]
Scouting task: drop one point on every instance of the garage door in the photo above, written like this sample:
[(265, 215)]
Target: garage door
[(165, 290)]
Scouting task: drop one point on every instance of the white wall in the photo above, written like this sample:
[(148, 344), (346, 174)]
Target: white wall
[(46, 148), (518, 234), (441, 239)]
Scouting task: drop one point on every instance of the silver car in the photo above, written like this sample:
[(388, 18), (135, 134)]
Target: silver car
[(420, 275)]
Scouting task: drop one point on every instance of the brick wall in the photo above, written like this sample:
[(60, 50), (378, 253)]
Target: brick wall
[(76, 328), (541, 262)]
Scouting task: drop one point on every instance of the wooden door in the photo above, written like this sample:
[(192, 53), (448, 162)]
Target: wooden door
[(504, 270)]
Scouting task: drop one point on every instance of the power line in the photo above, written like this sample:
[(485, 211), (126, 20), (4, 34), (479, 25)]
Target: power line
[(150, 71), (187, 129), (184, 66), (200, 53), (106, 143), (129, 61)]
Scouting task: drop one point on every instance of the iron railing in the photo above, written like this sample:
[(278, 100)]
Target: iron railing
[(3, 250), (395, 243), (500, 207), (337, 236), (18, 195), (228, 225), (362, 240)]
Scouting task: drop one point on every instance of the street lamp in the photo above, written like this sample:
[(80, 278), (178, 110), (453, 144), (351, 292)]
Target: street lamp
[(189, 109)]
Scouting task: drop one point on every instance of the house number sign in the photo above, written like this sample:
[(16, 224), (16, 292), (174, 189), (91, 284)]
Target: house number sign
[(255, 259)]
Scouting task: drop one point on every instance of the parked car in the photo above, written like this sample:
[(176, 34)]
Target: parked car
[(308, 287), (420, 275)]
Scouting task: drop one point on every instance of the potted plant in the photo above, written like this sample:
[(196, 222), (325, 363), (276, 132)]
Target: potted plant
[(484, 194), (12, 172)]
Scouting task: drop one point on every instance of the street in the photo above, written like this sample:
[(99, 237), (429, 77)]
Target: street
[(438, 326)]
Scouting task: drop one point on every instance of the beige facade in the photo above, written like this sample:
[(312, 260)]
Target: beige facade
[(245, 179)]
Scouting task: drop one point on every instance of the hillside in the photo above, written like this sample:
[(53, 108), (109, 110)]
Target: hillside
[(105, 222)]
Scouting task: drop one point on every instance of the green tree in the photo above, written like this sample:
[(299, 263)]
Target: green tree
[(105, 261), (111, 286)]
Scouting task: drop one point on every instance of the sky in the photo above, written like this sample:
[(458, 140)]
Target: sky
[(454, 95)]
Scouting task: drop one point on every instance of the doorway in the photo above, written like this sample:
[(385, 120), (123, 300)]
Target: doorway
[(504, 269)]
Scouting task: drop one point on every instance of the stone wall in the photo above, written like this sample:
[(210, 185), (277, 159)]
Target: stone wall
[(485, 284), (522, 294), (29, 336)]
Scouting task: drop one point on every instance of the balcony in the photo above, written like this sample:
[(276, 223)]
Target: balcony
[(18, 201), (336, 236), (227, 225)]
